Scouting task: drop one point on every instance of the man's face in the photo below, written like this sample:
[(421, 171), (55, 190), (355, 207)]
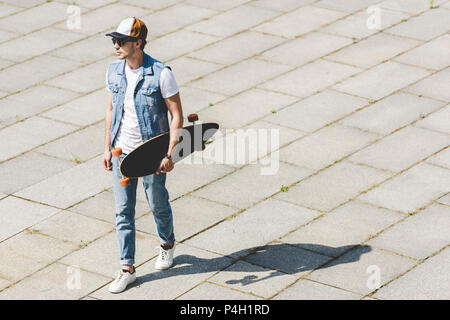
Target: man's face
[(125, 48)]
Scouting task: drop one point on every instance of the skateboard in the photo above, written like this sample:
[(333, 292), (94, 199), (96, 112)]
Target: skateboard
[(146, 158)]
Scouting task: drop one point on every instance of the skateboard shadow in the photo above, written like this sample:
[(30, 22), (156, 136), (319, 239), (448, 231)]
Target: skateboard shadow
[(277, 259)]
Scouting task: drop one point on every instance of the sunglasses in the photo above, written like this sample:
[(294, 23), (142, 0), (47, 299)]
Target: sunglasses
[(121, 42)]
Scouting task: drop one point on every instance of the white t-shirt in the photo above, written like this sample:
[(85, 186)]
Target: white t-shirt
[(129, 134)]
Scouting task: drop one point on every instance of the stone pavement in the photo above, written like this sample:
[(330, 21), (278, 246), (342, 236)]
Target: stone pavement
[(356, 92)]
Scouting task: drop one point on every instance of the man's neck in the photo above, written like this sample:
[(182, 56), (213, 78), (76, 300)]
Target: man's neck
[(136, 60)]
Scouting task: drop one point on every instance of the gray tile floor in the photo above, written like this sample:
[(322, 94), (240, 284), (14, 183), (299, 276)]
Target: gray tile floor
[(356, 206)]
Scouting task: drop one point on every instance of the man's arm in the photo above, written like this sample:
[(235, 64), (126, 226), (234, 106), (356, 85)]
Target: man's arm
[(173, 104), (108, 121)]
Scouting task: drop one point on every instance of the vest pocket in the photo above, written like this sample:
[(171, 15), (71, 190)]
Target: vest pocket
[(149, 95)]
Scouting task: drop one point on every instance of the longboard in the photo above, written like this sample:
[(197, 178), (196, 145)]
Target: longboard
[(146, 158)]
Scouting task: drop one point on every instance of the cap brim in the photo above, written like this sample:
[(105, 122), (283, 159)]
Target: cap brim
[(117, 35)]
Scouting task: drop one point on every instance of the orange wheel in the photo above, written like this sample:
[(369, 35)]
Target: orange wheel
[(192, 117), (116, 152), (125, 182), (203, 146)]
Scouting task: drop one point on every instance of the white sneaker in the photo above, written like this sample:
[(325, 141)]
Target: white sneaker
[(123, 279), (165, 259)]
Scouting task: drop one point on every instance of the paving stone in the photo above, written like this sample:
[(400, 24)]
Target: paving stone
[(217, 5), (232, 21), (351, 271), (411, 6), (426, 26), (326, 146), (17, 214), (22, 136), (53, 66), (434, 54), (355, 25), (430, 228), (154, 4), (71, 186), (381, 80), (441, 159), (102, 207), (281, 5), (428, 281), (191, 215), (84, 79), (193, 176), (257, 103), (102, 256), (5, 63), (239, 77), (293, 53), (299, 21), (439, 120), (410, 190), (73, 227), (191, 267), (317, 110), (391, 113), (257, 186), (37, 17), (6, 10), (179, 43), (87, 3), (4, 283), (253, 279), (54, 282), (401, 149), (18, 173), (194, 100), (306, 289), (210, 291), (286, 258), (36, 43), (175, 17), (310, 78), (27, 252), (237, 48), (94, 21), (343, 228), (186, 69), (77, 50), (24, 3), (333, 186), (372, 51), (82, 111), (445, 200), (347, 5), (253, 228), (26, 104), (436, 86), (79, 146), (2, 195)]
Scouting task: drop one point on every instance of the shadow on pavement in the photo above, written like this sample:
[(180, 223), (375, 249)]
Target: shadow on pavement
[(280, 258)]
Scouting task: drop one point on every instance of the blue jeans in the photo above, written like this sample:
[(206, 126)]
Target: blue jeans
[(125, 199)]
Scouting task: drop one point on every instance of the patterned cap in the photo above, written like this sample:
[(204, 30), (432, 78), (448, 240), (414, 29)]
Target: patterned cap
[(130, 27)]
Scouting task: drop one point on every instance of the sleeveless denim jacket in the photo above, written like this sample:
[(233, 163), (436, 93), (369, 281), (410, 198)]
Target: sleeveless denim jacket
[(151, 109)]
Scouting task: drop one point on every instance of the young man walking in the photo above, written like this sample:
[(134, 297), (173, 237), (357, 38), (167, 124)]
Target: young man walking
[(141, 92)]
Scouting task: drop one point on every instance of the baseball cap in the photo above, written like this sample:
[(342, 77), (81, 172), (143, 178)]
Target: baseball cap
[(130, 27)]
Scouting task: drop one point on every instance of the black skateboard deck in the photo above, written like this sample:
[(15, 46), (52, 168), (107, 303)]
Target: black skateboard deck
[(146, 158)]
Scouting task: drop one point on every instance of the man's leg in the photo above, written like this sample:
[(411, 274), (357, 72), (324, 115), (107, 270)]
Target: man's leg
[(125, 199), (158, 200)]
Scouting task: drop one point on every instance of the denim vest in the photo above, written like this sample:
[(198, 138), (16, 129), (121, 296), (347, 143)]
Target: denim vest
[(151, 109)]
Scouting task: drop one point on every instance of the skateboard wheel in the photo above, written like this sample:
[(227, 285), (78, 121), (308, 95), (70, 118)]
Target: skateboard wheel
[(116, 152), (125, 182), (203, 146), (192, 117)]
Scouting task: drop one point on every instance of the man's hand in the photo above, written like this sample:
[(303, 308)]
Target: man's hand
[(107, 165), (165, 166)]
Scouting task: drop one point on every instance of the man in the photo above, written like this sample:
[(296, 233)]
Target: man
[(141, 91)]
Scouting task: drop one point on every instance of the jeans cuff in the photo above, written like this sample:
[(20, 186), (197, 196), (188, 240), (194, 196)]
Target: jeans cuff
[(129, 262)]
